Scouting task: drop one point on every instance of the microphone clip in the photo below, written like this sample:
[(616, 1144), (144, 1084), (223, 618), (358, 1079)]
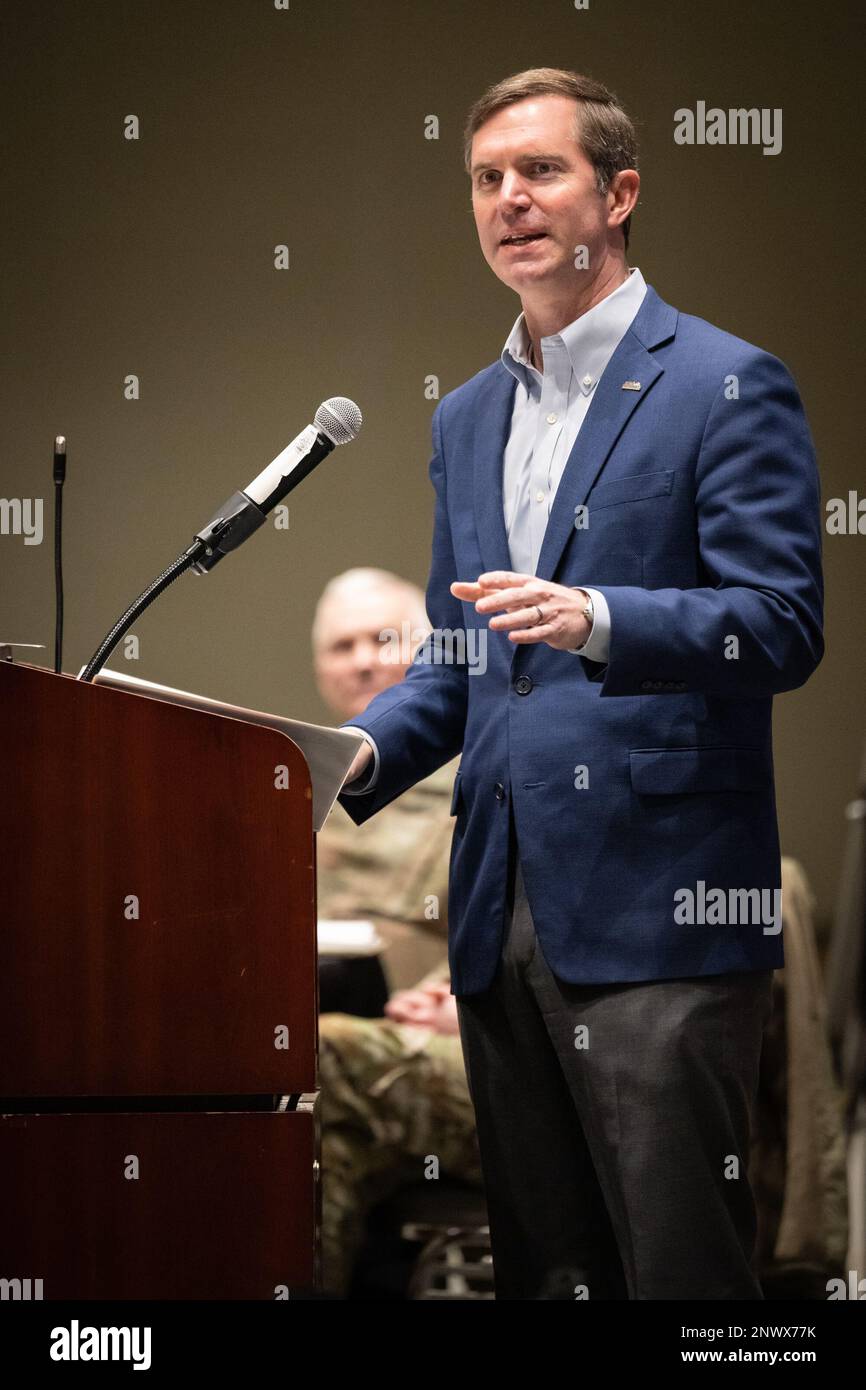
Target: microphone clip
[(228, 528)]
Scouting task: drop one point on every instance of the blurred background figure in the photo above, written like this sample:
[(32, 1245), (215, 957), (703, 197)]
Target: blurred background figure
[(395, 1104), (797, 1165), (846, 1005), (394, 871)]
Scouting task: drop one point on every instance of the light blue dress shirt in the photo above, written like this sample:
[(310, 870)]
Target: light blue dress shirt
[(549, 409)]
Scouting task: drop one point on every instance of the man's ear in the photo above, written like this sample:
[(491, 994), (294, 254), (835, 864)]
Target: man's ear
[(622, 194)]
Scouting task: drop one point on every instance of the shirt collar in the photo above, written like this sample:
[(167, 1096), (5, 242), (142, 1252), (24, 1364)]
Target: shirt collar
[(590, 340)]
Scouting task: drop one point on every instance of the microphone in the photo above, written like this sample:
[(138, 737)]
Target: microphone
[(60, 458), (336, 422)]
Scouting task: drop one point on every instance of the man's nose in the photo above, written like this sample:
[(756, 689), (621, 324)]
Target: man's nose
[(366, 655), (513, 192)]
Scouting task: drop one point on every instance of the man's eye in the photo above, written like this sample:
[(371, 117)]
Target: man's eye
[(544, 166)]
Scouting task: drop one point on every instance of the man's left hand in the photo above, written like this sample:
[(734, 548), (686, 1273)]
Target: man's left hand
[(519, 597)]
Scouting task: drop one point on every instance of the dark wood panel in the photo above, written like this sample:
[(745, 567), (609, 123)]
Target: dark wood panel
[(224, 1206), (106, 795)]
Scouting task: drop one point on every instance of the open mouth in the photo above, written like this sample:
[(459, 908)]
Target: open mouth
[(523, 239)]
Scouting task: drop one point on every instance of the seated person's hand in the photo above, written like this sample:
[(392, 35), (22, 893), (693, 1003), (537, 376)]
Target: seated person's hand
[(431, 1006), (445, 1020), (417, 1006)]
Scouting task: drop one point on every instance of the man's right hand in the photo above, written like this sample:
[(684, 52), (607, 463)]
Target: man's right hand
[(360, 762)]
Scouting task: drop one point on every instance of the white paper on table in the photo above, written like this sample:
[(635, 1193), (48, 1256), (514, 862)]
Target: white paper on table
[(349, 938), (329, 752)]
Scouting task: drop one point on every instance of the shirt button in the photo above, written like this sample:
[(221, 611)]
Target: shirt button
[(539, 497), (551, 419), (587, 381)]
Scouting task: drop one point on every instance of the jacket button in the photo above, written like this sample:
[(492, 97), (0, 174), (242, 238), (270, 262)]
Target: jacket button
[(499, 792), (523, 685)]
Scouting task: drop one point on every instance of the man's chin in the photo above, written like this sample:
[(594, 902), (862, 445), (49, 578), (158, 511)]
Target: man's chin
[(524, 271)]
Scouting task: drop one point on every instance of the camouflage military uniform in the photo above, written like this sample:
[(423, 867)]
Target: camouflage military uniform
[(394, 1095)]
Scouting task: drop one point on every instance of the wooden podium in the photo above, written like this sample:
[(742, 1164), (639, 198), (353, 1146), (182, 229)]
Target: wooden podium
[(158, 999)]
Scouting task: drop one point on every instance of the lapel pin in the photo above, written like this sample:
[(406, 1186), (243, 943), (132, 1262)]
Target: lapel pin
[(631, 386)]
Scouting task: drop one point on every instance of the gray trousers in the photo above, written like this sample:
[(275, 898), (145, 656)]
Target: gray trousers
[(613, 1125)]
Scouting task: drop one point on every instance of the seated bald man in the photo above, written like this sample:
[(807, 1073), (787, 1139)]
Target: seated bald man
[(394, 1090)]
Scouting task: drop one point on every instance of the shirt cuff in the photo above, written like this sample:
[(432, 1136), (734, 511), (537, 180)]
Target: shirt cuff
[(359, 786), (597, 645)]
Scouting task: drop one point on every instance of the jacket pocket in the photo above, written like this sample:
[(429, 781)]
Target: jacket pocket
[(632, 488), (666, 771)]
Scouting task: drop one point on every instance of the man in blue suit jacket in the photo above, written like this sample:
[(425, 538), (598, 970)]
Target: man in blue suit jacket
[(636, 494)]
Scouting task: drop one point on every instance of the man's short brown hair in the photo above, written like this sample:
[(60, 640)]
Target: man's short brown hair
[(602, 129)]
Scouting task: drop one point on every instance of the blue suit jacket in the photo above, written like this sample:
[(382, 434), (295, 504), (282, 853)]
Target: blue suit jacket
[(702, 525)]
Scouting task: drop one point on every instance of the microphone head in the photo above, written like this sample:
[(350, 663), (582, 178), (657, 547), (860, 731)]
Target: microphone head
[(338, 418), (60, 458)]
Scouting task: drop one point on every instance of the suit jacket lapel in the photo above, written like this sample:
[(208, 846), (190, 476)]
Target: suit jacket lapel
[(492, 428), (611, 408)]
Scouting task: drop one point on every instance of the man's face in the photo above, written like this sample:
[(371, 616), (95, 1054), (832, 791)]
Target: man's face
[(350, 661), (529, 175)]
